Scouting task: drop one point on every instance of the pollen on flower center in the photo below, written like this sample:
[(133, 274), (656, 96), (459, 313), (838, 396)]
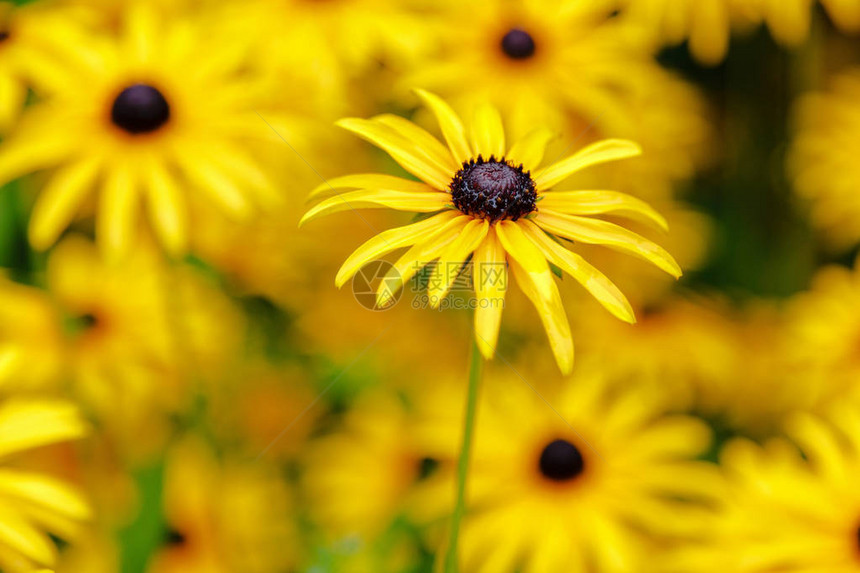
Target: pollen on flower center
[(493, 189), (518, 44), (561, 461), (140, 109)]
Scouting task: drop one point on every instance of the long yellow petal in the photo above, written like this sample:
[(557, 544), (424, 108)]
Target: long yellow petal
[(417, 257), (424, 202), (118, 205), (423, 139), (168, 208), (59, 200), (488, 133), (366, 181), (241, 168), (403, 151), (596, 232), (490, 276), (589, 277), (32, 150), (450, 124), (529, 150), (594, 154), (26, 424), (37, 489), (387, 241), (24, 538), (532, 272), (603, 202), (452, 259)]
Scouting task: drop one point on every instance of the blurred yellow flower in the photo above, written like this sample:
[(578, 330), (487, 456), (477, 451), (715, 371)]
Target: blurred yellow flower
[(139, 330), (31, 503), (225, 516), (152, 115), (706, 25), (31, 339), (485, 203), (582, 485), (822, 163), (788, 509), (29, 36)]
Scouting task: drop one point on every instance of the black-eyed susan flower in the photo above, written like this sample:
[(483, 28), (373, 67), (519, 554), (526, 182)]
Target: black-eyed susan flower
[(34, 504), (706, 25), (492, 203), (585, 485), (821, 163), (791, 505), (148, 117)]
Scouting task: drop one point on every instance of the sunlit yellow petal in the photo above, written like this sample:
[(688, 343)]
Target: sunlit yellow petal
[(602, 202), (534, 276), (424, 202), (529, 149), (594, 154), (169, 211), (21, 536), (589, 277), (366, 181), (116, 222), (596, 232), (401, 150), (31, 424), (387, 241), (425, 141), (451, 125), (490, 276), (44, 491), (221, 189), (452, 259), (488, 134)]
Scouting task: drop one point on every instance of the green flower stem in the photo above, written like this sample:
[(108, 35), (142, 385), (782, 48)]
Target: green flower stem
[(475, 368)]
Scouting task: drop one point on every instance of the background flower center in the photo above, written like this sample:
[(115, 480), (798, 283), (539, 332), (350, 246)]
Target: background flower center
[(140, 109)]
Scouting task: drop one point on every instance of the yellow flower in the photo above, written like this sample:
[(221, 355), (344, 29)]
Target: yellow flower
[(821, 161), (584, 485), (224, 516), (788, 509), (31, 341), (789, 20), (493, 203), (31, 503), (28, 36), (162, 111), (821, 330), (705, 24)]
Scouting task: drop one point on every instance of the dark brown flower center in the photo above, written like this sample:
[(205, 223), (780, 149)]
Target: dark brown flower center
[(561, 461), (4, 35), (140, 109), (493, 189), (518, 44)]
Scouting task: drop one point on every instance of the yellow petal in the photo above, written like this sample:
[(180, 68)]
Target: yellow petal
[(31, 150), (488, 134), (589, 277), (240, 167), (452, 259), (423, 139), (602, 202), (59, 200), (366, 181), (403, 151), (417, 257), (27, 424), (424, 202), (168, 209), (390, 240), (490, 276), (25, 539), (39, 490), (709, 32), (117, 212), (530, 149), (596, 232), (221, 189), (451, 125), (534, 276), (596, 153)]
